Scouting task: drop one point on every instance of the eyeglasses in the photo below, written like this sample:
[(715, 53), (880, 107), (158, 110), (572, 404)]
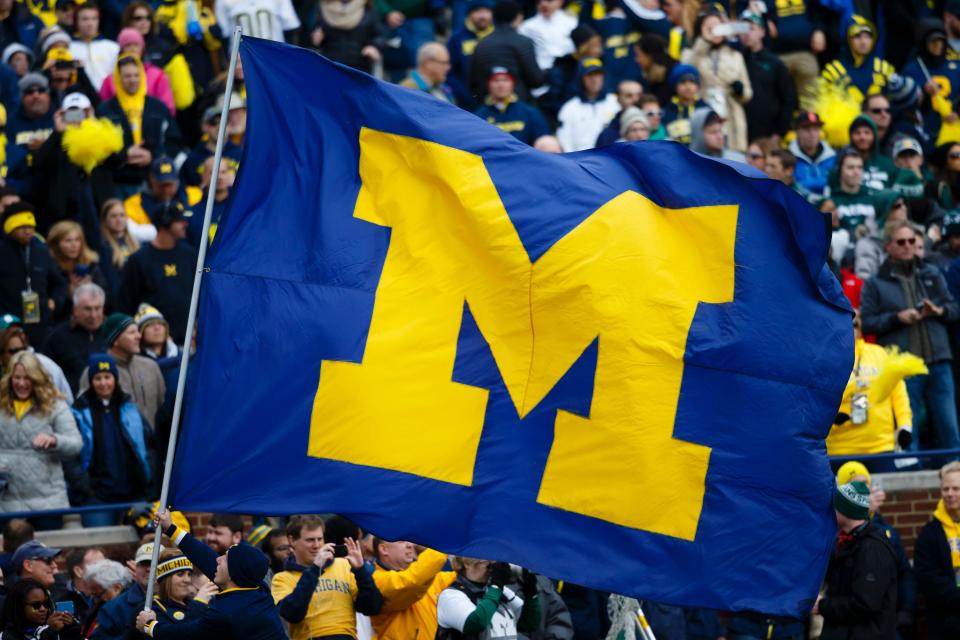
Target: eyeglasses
[(653, 114), (880, 110), (32, 90), (36, 606), (902, 242), (140, 18)]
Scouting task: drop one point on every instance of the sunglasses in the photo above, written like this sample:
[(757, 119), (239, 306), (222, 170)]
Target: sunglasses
[(36, 606), (653, 114), (954, 155), (139, 18), (880, 110), (902, 242), (33, 90)]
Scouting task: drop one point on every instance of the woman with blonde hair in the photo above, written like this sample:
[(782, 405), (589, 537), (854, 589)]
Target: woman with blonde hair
[(177, 599), (37, 431), (78, 263), (117, 239)]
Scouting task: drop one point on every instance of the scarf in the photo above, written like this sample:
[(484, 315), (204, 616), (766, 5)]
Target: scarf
[(951, 529), (132, 103), (342, 14), (20, 408)]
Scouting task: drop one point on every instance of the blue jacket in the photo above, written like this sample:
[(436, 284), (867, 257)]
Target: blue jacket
[(618, 34), (813, 173), (25, 25), (796, 21), (115, 620), (20, 129), (521, 120), (461, 45), (133, 431)]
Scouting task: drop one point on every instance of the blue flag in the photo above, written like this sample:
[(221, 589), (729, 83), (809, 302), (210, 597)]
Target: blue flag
[(615, 367)]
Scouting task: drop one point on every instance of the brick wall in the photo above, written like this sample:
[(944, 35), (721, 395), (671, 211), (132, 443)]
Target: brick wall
[(911, 499)]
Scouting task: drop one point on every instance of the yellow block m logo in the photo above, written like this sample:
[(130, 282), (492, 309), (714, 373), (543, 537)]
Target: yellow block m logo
[(631, 274)]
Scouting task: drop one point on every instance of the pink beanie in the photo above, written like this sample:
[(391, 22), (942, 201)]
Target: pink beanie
[(129, 36)]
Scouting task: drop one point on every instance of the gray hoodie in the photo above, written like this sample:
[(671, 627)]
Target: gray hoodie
[(696, 138)]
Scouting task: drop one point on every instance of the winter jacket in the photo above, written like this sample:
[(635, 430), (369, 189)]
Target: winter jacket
[(45, 279), (945, 72), (141, 379), (774, 95), (879, 171), (22, 25), (99, 56), (20, 130), (160, 135), (877, 434), (697, 143), (796, 22), (35, 476), (555, 621), (861, 589), (619, 34), (721, 67), (115, 619), (505, 48), (906, 583), (937, 579), (521, 120), (158, 86), (133, 431), (70, 346), (581, 121), (470, 611), (813, 172), (676, 119), (410, 597), (858, 76), (344, 45), (883, 297)]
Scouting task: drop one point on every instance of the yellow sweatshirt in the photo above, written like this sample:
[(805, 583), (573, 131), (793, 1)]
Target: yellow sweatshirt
[(877, 435), (331, 609), (951, 529), (410, 598)]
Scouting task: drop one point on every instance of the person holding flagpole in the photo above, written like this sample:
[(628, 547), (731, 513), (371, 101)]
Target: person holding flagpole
[(242, 609)]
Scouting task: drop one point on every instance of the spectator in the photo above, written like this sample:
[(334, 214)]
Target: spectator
[(583, 117), (115, 231), (781, 165), (910, 177), (461, 45), (78, 589), (868, 251), (798, 38), (430, 76), (148, 129), (619, 35), (161, 272), (119, 593), (71, 342), (412, 22), (78, 264), (410, 585), (163, 186), (650, 106), (16, 532), (861, 582), (221, 196), (19, 58), (65, 12), (317, 594), (242, 608), (277, 548), (945, 191), (874, 425), (139, 376), (949, 248), (685, 82), (13, 340), (628, 95), (935, 559), (774, 94), (96, 54), (549, 28), (656, 66), (877, 108), (478, 602), (857, 204), (224, 531), (563, 79), (28, 614), (35, 561), (634, 126), (115, 441), (278, 18), (18, 25), (28, 128), (648, 17), (932, 70), (349, 33), (756, 155), (155, 340), (191, 172), (131, 43), (859, 70), (878, 169), (506, 111), (177, 600), (674, 12), (36, 433), (724, 79), (908, 304), (506, 48), (706, 136), (815, 158)]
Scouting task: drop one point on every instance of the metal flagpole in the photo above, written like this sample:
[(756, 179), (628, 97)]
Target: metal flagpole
[(192, 316)]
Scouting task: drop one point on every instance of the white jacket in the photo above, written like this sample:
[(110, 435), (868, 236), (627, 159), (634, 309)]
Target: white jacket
[(581, 122), (99, 58)]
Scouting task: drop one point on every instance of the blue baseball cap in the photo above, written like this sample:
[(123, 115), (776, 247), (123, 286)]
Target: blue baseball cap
[(163, 169), (31, 550)]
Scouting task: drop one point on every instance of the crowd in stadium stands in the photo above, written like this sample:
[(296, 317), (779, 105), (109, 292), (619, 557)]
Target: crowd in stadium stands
[(109, 117)]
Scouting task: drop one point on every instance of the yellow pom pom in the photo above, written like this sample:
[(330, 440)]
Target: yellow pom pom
[(91, 142), (896, 367), (837, 108)]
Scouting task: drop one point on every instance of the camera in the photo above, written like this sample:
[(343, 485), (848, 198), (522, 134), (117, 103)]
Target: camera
[(75, 116), (339, 551)]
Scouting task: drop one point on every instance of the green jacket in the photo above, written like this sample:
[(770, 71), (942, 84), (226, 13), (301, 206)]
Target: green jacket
[(865, 207)]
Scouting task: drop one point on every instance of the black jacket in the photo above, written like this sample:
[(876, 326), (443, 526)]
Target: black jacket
[(861, 595), (45, 279), (505, 48), (160, 135), (937, 582), (882, 298), (774, 95), (70, 347), (344, 45)]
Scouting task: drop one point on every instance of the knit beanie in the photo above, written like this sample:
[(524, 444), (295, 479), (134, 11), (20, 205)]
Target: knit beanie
[(247, 566), (901, 91), (113, 326), (148, 314), (853, 500), (100, 363), (581, 35), (18, 214), (130, 36), (850, 470)]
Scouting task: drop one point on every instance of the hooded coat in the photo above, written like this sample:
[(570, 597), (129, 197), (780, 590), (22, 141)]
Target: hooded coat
[(722, 68), (861, 76), (697, 123), (925, 67), (879, 171)]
